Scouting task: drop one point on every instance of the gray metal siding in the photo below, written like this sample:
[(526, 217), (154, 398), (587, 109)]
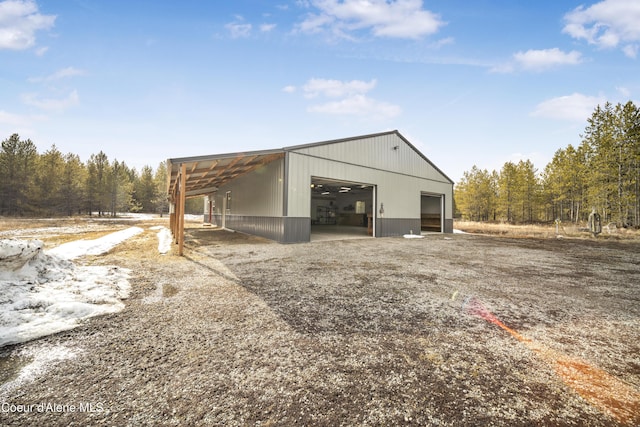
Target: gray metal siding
[(296, 230), (388, 227), (283, 230), (258, 193), (448, 225)]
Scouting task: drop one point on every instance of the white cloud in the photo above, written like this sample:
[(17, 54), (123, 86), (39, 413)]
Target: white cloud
[(625, 92), (384, 18), (60, 74), (347, 98), (238, 29), (575, 107), (442, 42), (538, 60), (358, 105), (607, 24), (631, 50), (51, 104), (336, 88), (13, 119), (18, 123), (265, 28), (507, 67), (19, 22)]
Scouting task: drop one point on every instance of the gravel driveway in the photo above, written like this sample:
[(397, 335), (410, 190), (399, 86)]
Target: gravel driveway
[(243, 331)]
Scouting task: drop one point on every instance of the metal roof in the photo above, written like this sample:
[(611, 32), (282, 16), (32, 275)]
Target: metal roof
[(204, 174)]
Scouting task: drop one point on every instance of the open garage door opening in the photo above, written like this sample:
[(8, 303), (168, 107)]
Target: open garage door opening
[(431, 212), (341, 209)]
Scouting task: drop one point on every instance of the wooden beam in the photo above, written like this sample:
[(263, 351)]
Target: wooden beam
[(183, 197)]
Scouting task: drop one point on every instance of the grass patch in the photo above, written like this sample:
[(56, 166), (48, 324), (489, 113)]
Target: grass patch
[(544, 231)]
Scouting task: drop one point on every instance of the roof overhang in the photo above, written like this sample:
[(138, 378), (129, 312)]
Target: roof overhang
[(205, 174)]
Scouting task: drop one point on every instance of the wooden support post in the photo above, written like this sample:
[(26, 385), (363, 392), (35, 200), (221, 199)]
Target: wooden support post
[(172, 215), (171, 221), (181, 202), (172, 218), (176, 220)]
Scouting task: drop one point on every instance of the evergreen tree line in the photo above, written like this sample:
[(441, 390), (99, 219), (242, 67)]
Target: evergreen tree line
[(55, 184), (602, 173)]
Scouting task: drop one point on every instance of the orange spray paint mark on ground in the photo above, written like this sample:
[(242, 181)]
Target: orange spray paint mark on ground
[(601, 389)]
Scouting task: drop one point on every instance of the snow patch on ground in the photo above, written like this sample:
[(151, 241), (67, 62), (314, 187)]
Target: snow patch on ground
[(98, 246), (164, 238), (42, 358), (413, 236), (43, 292)]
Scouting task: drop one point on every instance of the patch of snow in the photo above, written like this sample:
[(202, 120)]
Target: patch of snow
[(413, 236), (42, 293), (43, 357), (104, 244), (455, 231), (164, 239), (15, 255)]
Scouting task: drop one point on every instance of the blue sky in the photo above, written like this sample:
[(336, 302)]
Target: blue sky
[(468, 82)]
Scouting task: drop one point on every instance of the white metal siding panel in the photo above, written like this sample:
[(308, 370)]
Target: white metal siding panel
[(377, 152), (258, 193)]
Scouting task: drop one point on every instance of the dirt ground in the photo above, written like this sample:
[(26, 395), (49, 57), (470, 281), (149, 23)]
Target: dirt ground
[(391, 331)]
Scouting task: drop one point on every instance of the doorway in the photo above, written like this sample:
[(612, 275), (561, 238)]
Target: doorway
[(431, 212), (341, 209)]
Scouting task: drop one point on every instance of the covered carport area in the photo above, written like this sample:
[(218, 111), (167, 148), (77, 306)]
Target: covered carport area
[(198, 176)]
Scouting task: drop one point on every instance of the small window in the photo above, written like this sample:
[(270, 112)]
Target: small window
[(360, 207), (228, 195)]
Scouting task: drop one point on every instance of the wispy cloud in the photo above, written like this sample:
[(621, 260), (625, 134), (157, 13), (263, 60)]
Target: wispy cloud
[(442, 42), (574, 107), (358, 105), (538, 60), (51, 104), (336, 88), (17, 120), (631, 50), (395, 19), (623, 91), (607, 24), (265, 28), (19, 22), (238, 28), (347, 98), (60, 74)]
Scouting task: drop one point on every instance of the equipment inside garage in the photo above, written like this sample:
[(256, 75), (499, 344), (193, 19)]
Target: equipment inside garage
[(341, 207)]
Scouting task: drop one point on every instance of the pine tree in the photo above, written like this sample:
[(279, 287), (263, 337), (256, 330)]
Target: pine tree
[(96, 187), (74, 176), (17, 170), (49, 181), (146, 190)]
